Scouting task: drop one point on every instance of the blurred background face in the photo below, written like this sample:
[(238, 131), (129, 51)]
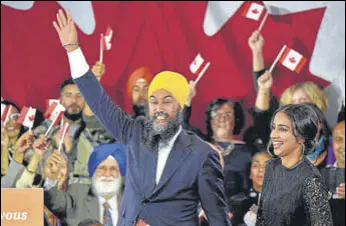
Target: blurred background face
[(258, 165), (72, 100), (282, 135), (107, 180), (140, 93), (11, 126), (339, 143), (300, 97), (163, 109), (222, 122)]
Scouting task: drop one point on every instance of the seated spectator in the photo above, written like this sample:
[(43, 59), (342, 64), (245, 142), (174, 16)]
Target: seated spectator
[(137, 88), (335, 176), (246, 212), (266, 103), (101, 199), (224, 120), (27, 174), (15, 167), (11, 131), (85, 132)]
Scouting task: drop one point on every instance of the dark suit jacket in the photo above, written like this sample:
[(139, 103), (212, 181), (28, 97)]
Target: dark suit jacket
[(73, 206), (192, 173)]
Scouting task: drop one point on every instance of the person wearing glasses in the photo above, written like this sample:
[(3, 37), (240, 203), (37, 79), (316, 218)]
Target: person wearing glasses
[(14, 143), (224, 121)]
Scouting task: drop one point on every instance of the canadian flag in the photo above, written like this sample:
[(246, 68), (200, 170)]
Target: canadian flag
[(27, 117), (63, 130), (51, 101), (292, 60), (5, 112), (199, 66), (62, 133), (253, 11), (55, 112), (106, 39)]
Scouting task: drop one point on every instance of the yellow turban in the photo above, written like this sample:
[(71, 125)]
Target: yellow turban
[(172, 82)]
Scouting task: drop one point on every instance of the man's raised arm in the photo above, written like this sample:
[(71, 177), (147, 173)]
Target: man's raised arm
[(117, 122)]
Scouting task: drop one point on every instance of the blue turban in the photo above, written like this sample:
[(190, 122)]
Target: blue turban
[(102, 152)]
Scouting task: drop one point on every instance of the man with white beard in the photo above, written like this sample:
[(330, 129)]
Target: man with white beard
[(101, 199)]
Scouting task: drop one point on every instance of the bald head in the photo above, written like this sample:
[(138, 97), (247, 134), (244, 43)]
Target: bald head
[(339, 144)]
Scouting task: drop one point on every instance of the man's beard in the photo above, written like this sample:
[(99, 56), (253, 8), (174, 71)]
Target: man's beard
[(154, 134), (139, 110), (106, 189), (73, 116)]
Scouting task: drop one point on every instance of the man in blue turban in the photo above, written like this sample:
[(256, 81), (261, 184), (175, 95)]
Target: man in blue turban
[(99, 201)]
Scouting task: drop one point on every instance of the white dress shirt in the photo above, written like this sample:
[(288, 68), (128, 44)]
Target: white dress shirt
[(113, 208), (163, 155), (78, 64)]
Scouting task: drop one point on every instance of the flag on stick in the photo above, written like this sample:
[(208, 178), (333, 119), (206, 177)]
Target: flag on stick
[(5, 112), (199, 66), (54, 113), (253, 11), (277, 58), (292, 60), (105, 41), (62, 133), (27, 117), (51, 101)]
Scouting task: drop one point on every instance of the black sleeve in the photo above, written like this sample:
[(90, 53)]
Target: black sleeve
[(186, 123), (316, 202), (341, 115), (255, 76)]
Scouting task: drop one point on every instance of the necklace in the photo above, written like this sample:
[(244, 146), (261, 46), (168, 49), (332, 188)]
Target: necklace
[(298, 162)]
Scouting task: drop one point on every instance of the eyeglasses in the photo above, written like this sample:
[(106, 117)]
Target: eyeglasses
[(14, 116), (227, 115)]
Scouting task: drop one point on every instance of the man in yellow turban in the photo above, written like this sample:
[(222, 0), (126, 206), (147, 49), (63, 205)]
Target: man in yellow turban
[(169, 170)]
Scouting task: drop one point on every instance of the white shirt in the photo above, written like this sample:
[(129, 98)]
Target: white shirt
[(163, 155), (78, 64), (113, 209)]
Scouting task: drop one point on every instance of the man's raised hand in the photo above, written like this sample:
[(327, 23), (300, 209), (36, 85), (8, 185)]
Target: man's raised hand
[(66, 30)]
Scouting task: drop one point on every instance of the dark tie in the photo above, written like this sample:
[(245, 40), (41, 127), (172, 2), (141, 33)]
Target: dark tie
[(107, 217)]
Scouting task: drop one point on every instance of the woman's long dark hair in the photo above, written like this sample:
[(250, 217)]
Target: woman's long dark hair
[(305, 123)]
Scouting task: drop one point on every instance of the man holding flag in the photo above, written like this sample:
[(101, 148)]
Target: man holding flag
[(169, 169), (82, 131)]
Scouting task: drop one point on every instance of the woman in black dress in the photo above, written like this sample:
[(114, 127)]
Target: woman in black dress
[(293, 192)]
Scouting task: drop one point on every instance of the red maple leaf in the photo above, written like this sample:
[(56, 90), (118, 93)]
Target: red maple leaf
[(32, 118), (255, 11), (292, 60)]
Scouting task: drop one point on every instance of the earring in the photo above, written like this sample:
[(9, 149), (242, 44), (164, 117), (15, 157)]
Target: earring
[(303, 148)]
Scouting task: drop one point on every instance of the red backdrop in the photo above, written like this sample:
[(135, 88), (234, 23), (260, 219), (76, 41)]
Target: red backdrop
[(160, 35)]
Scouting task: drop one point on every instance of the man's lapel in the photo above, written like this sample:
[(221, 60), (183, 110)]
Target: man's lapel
[(93, 205), (148, 172), (178, 154)]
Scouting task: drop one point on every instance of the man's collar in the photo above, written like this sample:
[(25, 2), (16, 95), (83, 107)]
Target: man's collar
[(113, 202)]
